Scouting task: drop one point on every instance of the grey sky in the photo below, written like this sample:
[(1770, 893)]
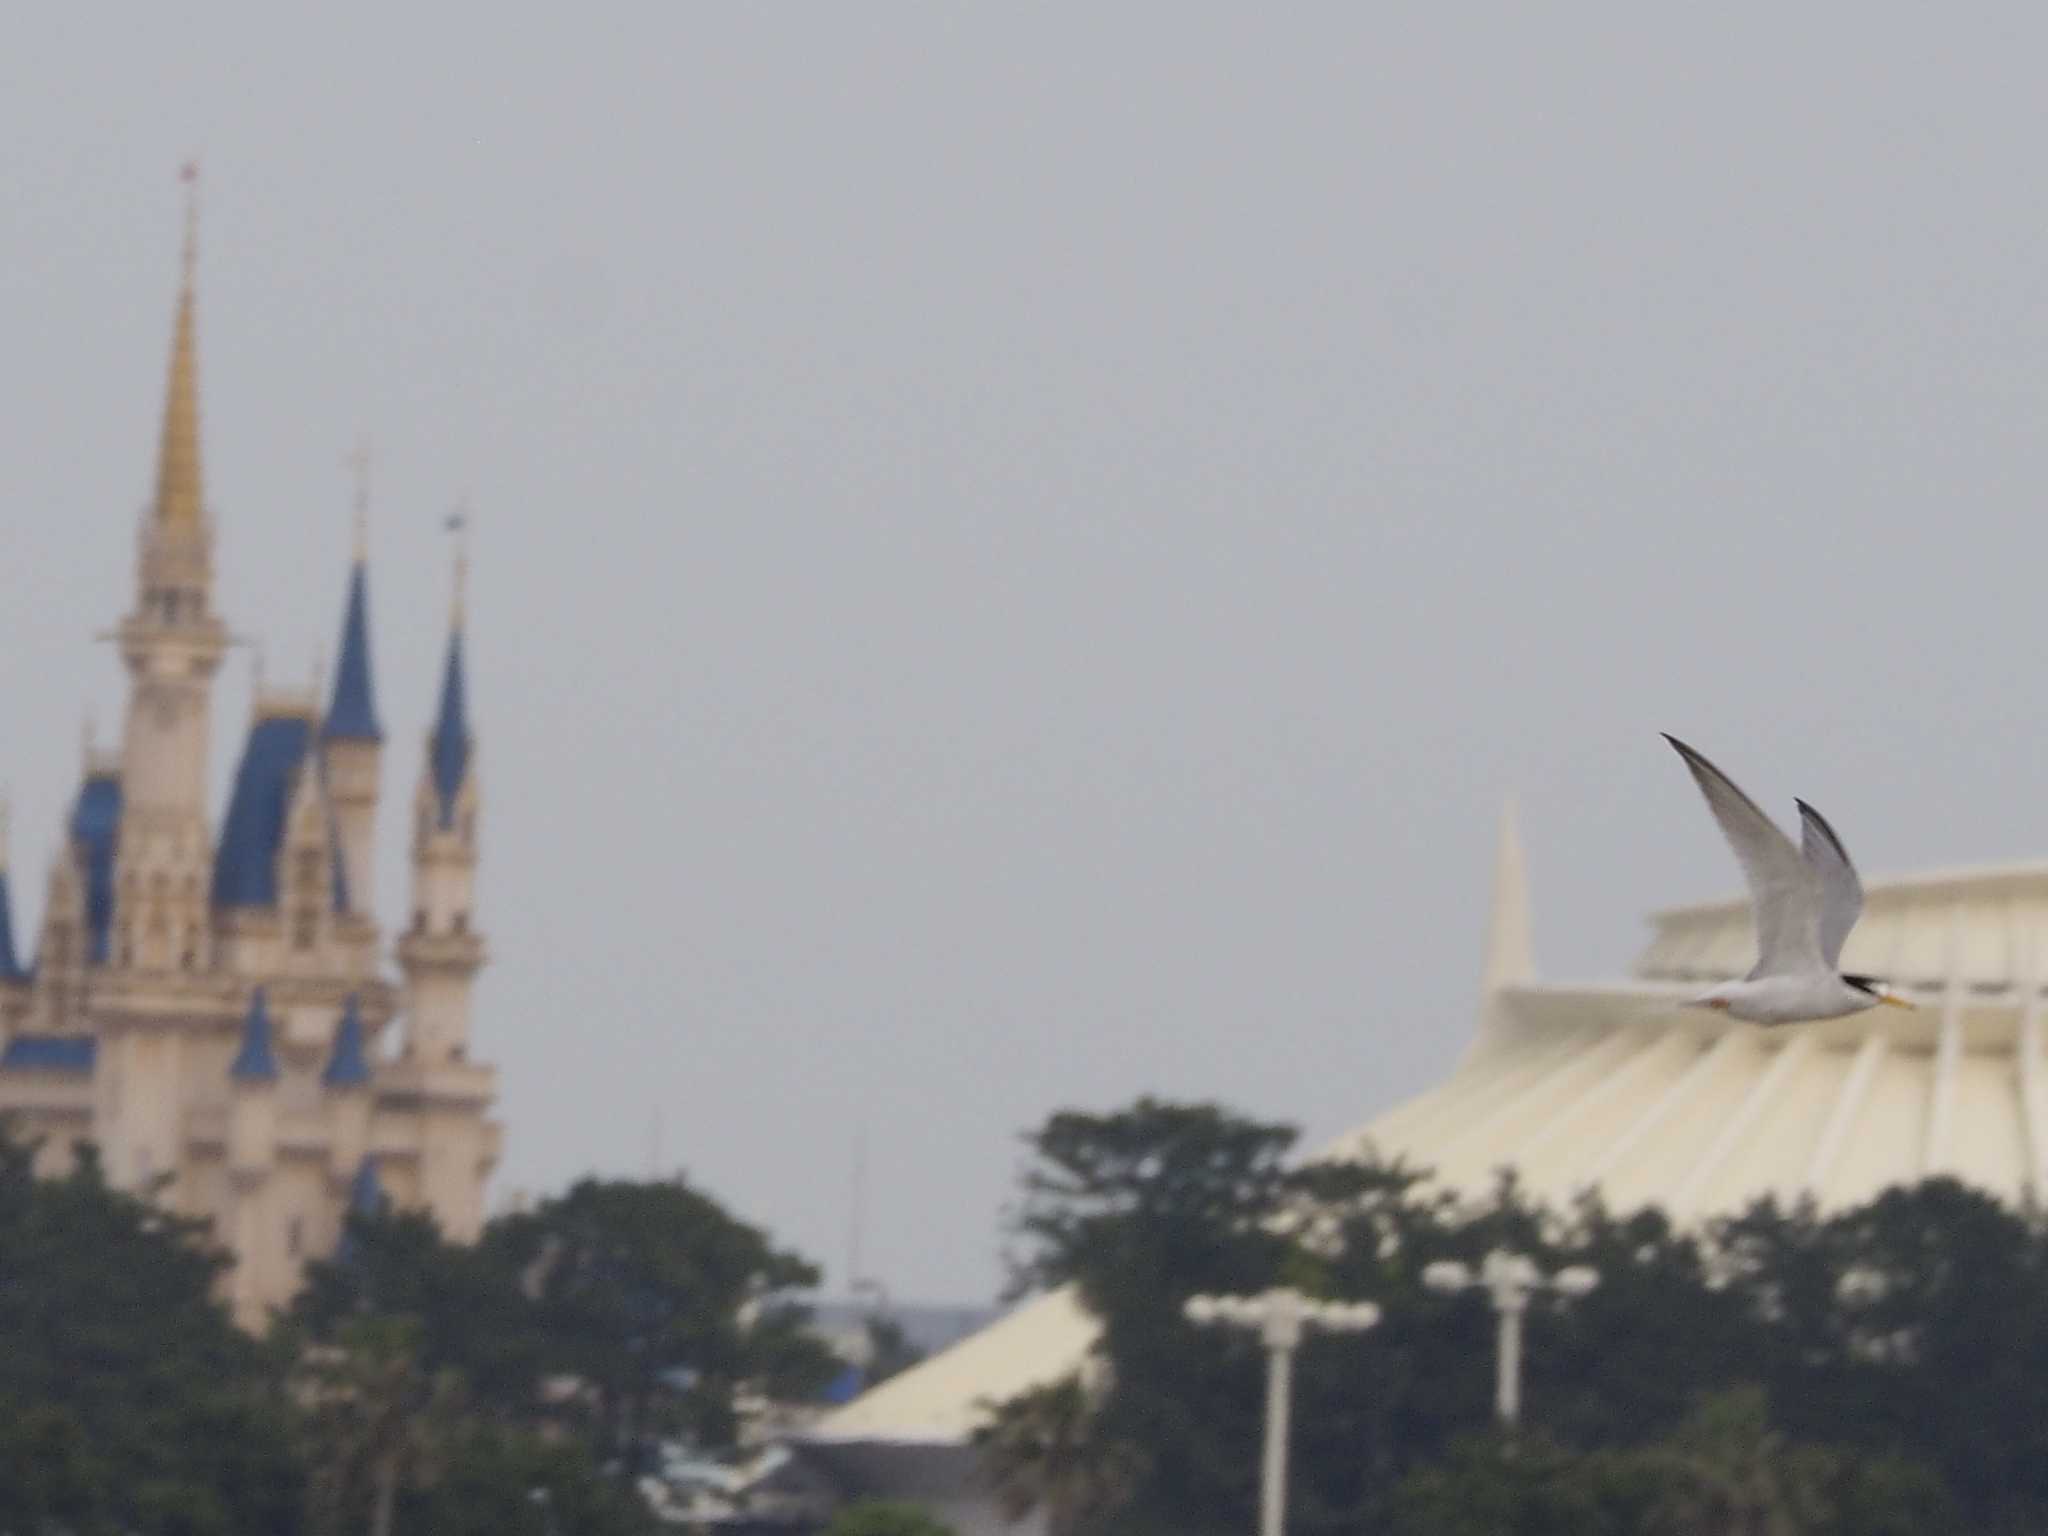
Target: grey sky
[(1018, 552)]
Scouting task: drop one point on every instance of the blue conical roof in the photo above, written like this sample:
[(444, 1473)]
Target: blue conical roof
[(349, 1065), (366, 1194), (255, 1062), (352, 716), (11, 968), (95, 829), (245, 864), (448, 748)]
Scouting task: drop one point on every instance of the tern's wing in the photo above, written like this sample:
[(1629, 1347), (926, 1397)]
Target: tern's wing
[(1781, 886), (1841, 893)]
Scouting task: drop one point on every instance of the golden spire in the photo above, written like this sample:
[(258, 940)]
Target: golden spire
[(177, 472)]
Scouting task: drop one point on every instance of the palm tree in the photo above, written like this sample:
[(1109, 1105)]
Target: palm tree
[(1726, 1472), (377, 1421), (1044, 1449)]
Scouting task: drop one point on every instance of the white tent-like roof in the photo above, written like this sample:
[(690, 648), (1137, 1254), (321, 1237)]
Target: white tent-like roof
[(1617, 1086)]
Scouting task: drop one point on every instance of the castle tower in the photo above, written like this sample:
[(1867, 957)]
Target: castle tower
[(345, 1081), (171, 643), (351, 740), (441, 951), (440, 954), (78, 910), (252, 1158)]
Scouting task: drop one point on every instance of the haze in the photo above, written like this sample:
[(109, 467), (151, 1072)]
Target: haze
[(1017, 553)]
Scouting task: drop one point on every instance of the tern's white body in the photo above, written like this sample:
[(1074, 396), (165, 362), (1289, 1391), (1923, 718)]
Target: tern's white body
[(1789, 999), (1806, 897)]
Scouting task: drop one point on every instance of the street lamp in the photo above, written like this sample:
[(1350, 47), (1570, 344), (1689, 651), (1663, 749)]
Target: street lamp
[(1509, 1279), (1280, 1317)]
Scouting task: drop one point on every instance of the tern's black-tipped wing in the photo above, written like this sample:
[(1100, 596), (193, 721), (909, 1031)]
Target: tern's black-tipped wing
[(1783, 888), (1841, 892)]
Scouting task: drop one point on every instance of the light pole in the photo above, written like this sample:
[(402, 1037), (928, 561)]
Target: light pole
[(1509, 1279), (1280, 1317)]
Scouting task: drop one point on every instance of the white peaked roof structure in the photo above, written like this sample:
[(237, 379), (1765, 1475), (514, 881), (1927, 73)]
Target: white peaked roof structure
[(1616, 1085)]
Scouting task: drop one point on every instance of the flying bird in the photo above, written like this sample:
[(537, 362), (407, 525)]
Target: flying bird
[(1806, 900)]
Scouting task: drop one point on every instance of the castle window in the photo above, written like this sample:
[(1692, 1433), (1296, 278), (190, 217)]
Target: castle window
[(304, 921), (309, 869), (462, 922), (295, 1237)]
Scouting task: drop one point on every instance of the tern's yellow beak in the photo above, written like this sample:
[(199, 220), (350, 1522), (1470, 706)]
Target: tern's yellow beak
[(1897, 1002)]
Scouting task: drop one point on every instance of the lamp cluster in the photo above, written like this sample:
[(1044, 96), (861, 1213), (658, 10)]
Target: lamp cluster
[(1282, 1316)]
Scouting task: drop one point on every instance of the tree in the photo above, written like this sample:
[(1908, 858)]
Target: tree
[(1043, 1450), (472, 1315), (1485, 1485), (377, 1421), (1140, 1209), (1912, 1323), (882, 1517), (128, 1400), (1728, 1473), (890, 1352), (49, 1478), (1723, 1472), (1147, 1195), (661, 1301), (501, 1481)]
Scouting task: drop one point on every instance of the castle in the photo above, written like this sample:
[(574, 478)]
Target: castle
[(206, 1005)]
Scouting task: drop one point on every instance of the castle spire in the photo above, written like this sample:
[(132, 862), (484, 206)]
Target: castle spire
[(442, 950), (178, 506), (171, 643), (11, 968), (352, 712), (448, 747), (366, 1196), (351, 739), (348, 1065), (256, 1061)]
